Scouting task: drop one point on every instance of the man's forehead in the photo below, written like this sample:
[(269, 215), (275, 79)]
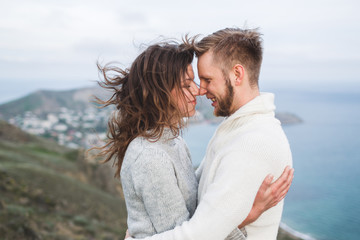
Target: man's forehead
[(206, 66)]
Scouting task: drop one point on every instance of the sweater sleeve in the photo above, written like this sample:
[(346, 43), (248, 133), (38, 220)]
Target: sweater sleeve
[(198, 171), (155, 183), (227, 201)]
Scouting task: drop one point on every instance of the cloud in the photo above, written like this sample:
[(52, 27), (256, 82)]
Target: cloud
[(63, 39)]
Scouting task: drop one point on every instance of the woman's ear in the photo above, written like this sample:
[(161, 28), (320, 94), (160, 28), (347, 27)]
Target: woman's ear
[(239, 72)]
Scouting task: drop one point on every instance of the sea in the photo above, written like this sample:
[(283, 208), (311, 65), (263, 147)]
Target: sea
[(323, 202)]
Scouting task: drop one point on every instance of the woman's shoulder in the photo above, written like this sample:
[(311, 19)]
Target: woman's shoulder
[(142, 149), (141, 144)]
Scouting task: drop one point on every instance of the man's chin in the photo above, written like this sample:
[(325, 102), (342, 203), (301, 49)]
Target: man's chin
[(217, 113), (221, 113)]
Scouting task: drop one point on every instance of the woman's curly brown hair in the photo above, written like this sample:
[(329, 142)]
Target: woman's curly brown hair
[(142, 97)]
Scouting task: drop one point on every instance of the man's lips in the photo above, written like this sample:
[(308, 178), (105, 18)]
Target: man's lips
[(213, 99)]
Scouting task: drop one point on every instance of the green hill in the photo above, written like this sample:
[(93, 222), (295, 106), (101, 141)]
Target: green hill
[(48, 191), (51, 192)]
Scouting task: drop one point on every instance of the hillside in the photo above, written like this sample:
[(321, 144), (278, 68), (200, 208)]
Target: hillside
[(48, 191), (51, 192)]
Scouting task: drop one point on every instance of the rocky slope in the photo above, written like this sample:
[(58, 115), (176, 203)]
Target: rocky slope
[(50, 192)]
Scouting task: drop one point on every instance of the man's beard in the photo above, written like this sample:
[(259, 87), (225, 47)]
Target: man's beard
[(224, 104)]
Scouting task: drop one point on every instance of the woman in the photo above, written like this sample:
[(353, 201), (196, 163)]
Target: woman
[(152, 98)]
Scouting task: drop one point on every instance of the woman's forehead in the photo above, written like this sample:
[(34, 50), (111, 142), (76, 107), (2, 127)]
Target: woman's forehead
[(189, 75)]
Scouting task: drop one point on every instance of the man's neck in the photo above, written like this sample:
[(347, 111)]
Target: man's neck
[(243, 98)]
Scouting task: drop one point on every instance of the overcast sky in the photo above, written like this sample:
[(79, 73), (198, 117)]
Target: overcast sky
[(48, 44)]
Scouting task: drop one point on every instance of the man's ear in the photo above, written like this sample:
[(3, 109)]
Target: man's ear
[(239, 73)]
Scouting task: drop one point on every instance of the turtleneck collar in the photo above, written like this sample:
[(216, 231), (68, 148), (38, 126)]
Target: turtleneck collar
[(264, 103)]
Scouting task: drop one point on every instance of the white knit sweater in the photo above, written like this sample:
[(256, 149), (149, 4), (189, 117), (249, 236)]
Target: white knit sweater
[(246, 147)]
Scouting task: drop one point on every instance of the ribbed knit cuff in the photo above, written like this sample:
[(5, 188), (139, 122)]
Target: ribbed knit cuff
[(237, 234)]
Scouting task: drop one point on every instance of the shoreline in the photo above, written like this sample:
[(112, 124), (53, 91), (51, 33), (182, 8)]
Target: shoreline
[(288, 231)]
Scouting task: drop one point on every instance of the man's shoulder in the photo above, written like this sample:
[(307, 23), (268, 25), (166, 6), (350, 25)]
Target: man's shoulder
[(256, 138)]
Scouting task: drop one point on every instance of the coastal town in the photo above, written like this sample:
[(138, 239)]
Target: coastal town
[(72, 119), (70, 128), (87, 128)]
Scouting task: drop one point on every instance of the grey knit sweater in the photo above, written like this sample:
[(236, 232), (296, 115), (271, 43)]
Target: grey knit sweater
[(159, 184)]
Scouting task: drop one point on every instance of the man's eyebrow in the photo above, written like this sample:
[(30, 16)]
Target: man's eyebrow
[(204, 77)]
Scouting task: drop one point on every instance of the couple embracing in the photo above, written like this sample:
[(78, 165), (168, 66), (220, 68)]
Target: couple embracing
[(232, 194)]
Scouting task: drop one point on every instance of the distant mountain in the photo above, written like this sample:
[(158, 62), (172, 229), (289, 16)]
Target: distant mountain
[(45, 101), (287, 118), (48, 191)]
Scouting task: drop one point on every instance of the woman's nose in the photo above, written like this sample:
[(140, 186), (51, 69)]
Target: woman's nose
[(202, 91), (195, 90)]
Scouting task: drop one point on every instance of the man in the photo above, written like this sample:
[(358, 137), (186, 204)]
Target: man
[(248, 144)]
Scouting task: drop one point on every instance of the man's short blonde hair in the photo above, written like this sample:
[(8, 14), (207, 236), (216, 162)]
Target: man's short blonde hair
[(231, 46)]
